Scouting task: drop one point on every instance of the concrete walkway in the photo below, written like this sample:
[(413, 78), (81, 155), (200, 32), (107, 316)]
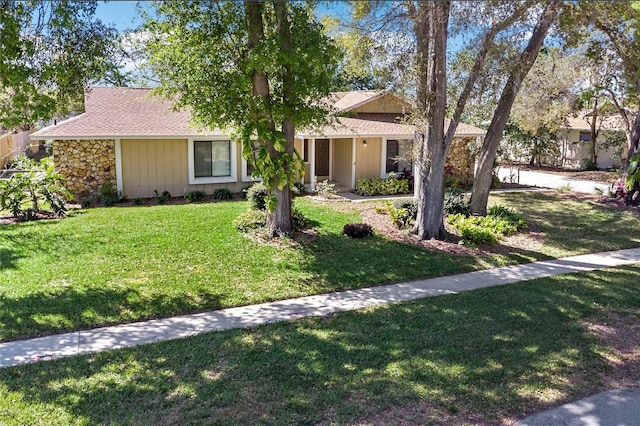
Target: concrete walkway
[(120, 336), (619, 407), (550, 180)]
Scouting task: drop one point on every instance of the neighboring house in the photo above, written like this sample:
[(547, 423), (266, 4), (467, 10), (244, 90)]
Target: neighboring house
[(139, 143), (575, 142)]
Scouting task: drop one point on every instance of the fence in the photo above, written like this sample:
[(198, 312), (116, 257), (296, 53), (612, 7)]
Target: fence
[(14, 144)]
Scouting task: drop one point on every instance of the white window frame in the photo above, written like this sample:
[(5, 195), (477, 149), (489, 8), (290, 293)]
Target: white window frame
[(233, 158), (246, 178), (244, 168), (383, 158)]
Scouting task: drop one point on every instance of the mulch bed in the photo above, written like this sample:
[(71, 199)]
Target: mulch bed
[(41, 215), (524, 241)]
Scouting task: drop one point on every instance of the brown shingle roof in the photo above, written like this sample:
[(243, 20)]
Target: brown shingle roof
[(608, 122), (122, 112), (344, 101), (349, 127)]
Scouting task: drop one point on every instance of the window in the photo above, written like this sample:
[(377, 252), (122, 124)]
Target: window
[(247, 168), (211, 161), (585, 136), (399, 153)]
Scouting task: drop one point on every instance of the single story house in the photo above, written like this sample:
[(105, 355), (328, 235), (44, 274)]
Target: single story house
[(137, 141), (574, 141)]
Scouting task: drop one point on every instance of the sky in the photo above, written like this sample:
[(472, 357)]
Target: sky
[(124, 14)]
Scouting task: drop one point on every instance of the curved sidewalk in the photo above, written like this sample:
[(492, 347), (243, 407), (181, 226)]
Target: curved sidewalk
[(120, 336), (551, 181)]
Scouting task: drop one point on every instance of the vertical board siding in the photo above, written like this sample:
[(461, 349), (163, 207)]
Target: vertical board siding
[(154, 164), (342, 161), (368, 158)]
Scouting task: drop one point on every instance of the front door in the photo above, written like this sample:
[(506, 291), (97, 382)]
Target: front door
[(322, 157)]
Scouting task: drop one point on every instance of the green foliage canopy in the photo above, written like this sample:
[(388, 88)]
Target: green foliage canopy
[(201, 52), (50, 51)]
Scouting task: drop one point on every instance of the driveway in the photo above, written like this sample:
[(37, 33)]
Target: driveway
[(549, 180)]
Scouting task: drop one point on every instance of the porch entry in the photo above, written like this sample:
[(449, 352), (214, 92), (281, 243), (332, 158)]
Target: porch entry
[(322, 158)]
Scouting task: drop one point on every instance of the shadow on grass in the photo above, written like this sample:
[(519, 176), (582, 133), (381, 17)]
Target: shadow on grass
[(45, 313), (499, 353), (9, 257), (588, 227)]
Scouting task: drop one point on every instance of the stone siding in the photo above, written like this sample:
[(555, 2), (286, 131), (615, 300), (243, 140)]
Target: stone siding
[(85, 164), (461, 161)]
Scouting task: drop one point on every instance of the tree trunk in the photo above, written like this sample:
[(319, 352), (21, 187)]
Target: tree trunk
[(487, 156), (593, 137), (633, 196), (431, 32), (278, 219)]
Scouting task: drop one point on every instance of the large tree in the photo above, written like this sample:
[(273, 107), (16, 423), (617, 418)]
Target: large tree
[(487, 156), (431, 27), (258, 69), (620, 22), (50, 52), (546, 99)]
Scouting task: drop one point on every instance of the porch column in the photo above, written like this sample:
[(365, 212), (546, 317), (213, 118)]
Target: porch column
[(383, 159), (330, 159), (118, 149), (353, 163), (312, 163)]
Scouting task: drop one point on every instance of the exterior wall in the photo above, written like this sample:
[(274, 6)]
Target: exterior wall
[(15, 143), (342, 162), (299, 146), (85, 164), (368, 158), (386, 103), (572, 152), (162, 164), (461, 161), (149, 165)]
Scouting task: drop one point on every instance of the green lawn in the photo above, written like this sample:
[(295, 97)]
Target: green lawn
[(487, 356), (111, 265)]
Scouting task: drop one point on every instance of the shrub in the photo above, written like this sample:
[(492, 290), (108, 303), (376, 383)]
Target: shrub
[(195, 196), (13, 195), (380, 186), (109, 194), (500, 221), (325, 189), (411, 207), (162, 198), (252, 219), (88, 201), (400, 217), (474, 230), (383, 209), (298, 190), (357, 230), (39, 183), (618, 189), (222, 194), (515, 219), (456, 201), (589, 165), (257, 194)]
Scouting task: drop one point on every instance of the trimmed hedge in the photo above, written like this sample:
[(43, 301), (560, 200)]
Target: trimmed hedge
[(380, 186)]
